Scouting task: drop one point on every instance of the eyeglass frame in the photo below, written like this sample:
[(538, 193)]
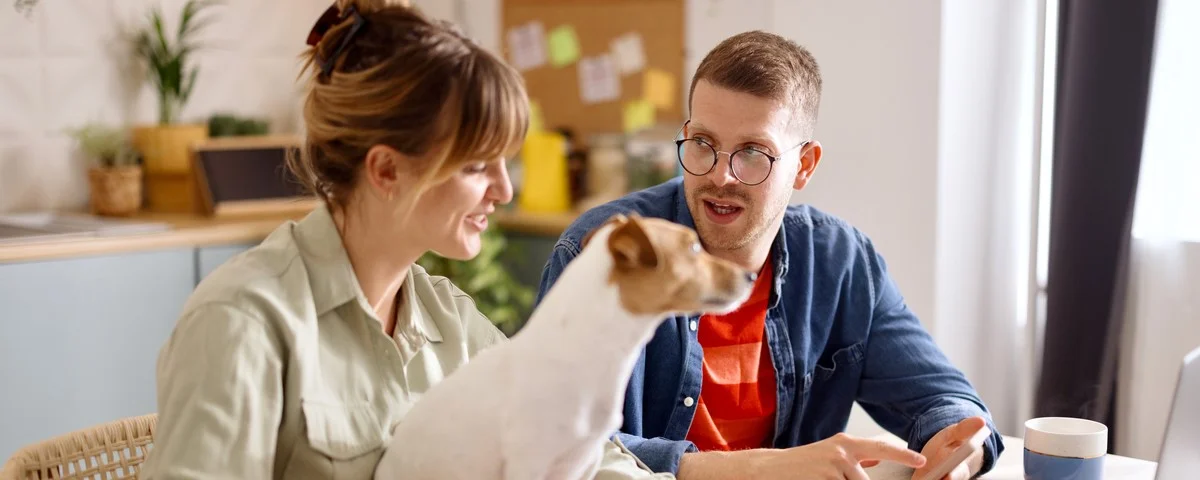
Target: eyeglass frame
[(771, 159)]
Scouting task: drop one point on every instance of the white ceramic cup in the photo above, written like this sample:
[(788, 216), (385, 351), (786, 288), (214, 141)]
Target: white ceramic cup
[(1065, 448)]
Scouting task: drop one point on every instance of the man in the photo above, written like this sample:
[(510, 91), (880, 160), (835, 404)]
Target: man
[(765, 391)]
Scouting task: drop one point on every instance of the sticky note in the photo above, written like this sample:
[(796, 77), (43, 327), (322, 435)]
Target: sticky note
[(537, 123), (545, 177), (564, 45), (638, 115), (598, 80), (628, 53), (658, 88), (527, 46)]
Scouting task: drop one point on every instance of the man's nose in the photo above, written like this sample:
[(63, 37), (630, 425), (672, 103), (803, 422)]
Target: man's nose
[(722, 173)]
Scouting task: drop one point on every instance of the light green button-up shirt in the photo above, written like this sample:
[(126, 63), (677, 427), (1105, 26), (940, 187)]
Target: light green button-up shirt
[(278, 367)]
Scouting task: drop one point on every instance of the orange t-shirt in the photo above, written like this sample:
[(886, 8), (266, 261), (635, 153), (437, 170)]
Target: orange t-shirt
[(736, 409)]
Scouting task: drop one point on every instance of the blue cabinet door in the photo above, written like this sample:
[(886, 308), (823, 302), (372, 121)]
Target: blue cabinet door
[(79, 339)]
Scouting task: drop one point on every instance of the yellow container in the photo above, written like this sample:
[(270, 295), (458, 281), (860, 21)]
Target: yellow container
[(545, 185), (168, 148), (167, 160)]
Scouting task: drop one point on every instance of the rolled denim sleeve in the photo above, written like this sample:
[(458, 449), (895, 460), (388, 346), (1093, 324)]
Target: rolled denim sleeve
[(909, 385), (660, 454)]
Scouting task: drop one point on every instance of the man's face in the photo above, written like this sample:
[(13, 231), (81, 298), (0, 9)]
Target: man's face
[(731, 216)]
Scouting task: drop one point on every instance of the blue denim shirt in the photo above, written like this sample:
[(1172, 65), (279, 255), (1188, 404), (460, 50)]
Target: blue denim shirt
[(837, 329)]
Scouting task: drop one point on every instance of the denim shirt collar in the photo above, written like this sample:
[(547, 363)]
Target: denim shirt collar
[(779, 251)]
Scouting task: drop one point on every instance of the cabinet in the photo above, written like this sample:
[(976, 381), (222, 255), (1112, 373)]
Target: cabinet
[(79, 338)]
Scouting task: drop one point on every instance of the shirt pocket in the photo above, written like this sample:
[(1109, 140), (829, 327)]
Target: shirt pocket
[(343, 441), (842, 361)]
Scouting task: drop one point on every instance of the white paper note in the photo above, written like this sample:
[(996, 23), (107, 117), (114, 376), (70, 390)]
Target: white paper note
[(598, 80), (527, 46), (628, 54)]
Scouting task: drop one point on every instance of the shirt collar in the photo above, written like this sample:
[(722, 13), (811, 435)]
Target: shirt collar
[(333, 283), (330, 274), (412, 310)]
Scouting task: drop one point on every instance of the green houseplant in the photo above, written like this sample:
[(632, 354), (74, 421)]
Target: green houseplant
[(500, 297), (170, 63), (165, 146), (115, 177)]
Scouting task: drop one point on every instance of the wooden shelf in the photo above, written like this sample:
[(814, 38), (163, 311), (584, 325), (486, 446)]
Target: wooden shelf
[(197, 231)]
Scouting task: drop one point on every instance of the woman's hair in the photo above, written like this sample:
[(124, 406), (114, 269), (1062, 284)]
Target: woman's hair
[(387, 75)]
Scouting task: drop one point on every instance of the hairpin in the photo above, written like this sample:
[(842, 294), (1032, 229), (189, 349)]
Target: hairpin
[(331, 18)]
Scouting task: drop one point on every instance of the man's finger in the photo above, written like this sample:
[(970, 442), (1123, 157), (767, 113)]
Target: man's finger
[(864, 449), (964, 430)]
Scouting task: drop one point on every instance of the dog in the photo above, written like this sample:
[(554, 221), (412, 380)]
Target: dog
[(541, 405)]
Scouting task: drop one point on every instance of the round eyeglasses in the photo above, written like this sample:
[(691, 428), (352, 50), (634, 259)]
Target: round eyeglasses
[(750, 165)]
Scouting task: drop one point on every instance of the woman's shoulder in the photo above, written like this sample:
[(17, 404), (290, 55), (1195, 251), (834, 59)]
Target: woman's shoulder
[(266, 281)]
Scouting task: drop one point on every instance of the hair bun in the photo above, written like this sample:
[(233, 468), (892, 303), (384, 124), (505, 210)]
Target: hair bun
[(367, 7)]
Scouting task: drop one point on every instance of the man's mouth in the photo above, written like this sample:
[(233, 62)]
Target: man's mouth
[(721, 212)]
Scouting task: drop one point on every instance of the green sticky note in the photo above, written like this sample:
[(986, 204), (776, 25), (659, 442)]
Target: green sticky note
[(564, 46), (638, 114)]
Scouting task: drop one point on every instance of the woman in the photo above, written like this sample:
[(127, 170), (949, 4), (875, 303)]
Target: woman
[(294, 359)]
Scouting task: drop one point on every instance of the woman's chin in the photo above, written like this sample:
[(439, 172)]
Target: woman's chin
[(463, 250)]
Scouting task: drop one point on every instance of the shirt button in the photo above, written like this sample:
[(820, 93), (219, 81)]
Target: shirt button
[(688, 402), (693, 325)]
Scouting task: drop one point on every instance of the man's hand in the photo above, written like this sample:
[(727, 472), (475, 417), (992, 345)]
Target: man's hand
[(841, 457), (951, 438)]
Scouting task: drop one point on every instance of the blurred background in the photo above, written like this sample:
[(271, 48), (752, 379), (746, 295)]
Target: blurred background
[(1026, 167)]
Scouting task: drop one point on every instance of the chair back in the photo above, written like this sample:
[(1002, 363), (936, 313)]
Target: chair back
[(111, 450)]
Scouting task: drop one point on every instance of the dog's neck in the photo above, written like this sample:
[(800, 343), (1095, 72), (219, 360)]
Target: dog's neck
[(586, 301)]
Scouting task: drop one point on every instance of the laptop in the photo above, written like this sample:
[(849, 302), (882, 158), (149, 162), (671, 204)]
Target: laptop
[(1180, 455)]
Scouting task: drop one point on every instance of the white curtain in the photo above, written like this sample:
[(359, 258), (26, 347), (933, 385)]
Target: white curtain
[(1163, 294)]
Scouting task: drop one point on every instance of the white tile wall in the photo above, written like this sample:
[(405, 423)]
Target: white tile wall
[(67, 64)]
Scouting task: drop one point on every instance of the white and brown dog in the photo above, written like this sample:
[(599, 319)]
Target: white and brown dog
[(542, 405)]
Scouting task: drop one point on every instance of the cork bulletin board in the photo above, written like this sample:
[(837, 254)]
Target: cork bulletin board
[(577, 34)]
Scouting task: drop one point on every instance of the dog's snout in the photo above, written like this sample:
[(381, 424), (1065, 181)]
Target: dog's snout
[(751, 277)]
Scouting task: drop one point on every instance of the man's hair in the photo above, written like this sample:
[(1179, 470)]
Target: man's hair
[(766, 65)]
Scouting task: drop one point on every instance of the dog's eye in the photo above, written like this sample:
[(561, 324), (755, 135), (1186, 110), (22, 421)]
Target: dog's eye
[(695, 247)]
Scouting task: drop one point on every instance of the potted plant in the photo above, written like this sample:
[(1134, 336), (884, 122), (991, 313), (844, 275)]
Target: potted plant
[(165, 146), (497, 295), (115, 176)]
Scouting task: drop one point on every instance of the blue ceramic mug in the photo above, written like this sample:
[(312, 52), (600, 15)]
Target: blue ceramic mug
[(1061, 448)]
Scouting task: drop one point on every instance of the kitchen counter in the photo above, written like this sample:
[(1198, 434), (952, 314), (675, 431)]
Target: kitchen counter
[(187, 230)]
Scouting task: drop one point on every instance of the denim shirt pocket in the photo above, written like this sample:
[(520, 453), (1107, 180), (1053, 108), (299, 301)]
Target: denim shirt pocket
[(842, 359)]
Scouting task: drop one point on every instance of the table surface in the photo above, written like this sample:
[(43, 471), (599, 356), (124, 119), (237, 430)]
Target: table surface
[(1010, 466)]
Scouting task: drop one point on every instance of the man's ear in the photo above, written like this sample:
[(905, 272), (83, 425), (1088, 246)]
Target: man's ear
[(631, 248), (617, 218), (810, 156)]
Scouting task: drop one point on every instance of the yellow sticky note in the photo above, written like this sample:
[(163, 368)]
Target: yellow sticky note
[(546, 185), (658, 88), (564, 45), (536, 120), (638, 114)]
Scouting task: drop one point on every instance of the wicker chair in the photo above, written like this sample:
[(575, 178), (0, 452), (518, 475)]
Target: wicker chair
[(111, 450)]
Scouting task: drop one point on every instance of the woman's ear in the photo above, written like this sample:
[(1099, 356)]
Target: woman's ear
[(384, 170)]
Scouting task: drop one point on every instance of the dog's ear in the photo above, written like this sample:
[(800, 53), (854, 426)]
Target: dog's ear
[(630, 246), (617, 218)]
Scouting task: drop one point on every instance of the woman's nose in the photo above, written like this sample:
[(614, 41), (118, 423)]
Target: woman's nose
[(501, 188)]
